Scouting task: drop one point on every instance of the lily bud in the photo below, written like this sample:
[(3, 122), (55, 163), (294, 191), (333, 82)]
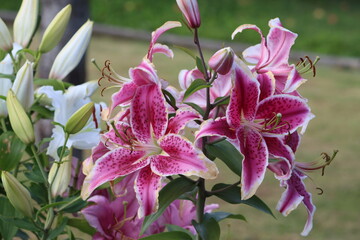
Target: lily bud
[(70, 56), (222, 61), (55, 30), (190, 10), (19, 120), (5, 85), (79, 119), (62, 178), (17, 194), (5, 38), (24, 85), (25, 22)]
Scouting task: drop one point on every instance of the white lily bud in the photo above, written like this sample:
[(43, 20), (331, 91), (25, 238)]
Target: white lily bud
[(19, 120), (25, 22), (70, 56), (24, 85), (17, 194), (55, 30), (5, 85), (5, 38), (62, 178)]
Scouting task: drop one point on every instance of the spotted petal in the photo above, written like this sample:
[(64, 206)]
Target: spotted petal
[(147, 187), (144, 74), (255, 152), (148, 111), (123, 96), (180, 157), (217, 127), (294, 112), (112, 165), (182, 117)]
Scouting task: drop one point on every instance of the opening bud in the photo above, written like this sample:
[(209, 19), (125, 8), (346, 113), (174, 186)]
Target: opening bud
[(5, 37), (190, 10), (55, 30), (222, 61), (19, 120), (17, 194), (24, 85), (60, 176), (79, 119)]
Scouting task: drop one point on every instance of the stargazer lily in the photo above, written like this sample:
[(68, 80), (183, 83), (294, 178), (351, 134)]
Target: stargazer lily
[(254, 127), (151, 146), (272, 55)]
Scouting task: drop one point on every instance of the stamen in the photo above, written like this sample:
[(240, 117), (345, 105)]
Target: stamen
[(95, 119), (321, 191)]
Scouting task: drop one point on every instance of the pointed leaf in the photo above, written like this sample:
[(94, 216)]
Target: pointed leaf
[(199, 65), (169, 235), (209, 229), (7, 229), (11, 151), (227, 153), (57, 84), (196, 85), (173, 228), (167, 195), (82, 225), (232, 195), (218, 216), (196, 107), (186, 50), (58, 229)]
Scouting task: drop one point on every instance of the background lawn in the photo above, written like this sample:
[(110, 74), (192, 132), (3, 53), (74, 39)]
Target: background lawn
[(334, 96), (325, 26)]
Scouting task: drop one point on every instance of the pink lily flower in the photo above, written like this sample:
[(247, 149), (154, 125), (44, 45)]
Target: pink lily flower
[(272, 55), (152, 147), (254, 127)]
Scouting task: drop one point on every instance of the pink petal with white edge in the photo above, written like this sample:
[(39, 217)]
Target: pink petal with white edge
[(148, 113), (147, 187), (277, 149), (293, 81), (186, 77), (244, 96), (156, 34), (246, 26), (181, 157), (281, 169), (112, 165), (218, 127), (293, 195), (182, 117), (121, 138), (292, 140), (267, 85), (144, 74), (160, 48), (255, 152), (123, 96), (294, 113), (252, 54)]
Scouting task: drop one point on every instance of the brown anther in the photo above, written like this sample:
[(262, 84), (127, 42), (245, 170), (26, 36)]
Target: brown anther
[(321, 191), (94, 118)]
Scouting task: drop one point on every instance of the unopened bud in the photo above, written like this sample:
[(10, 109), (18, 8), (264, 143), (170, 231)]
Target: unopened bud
[(17, 194), (222, 61), (190, 10), (61, 177), (19, 120), (55, 30), (24, 85), (70, 56), (5, 37), (26, 21), (79, 119)]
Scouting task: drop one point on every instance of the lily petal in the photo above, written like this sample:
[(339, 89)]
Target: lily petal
[(294, 80), (148, 111), (244, 96), (217, 127), (182, 117), (294, 112), (112, 165), (147, 187), (164, 49), (277, 149), (281, 169), (255, 152), (144, 74), (123, 96), (267, 85)]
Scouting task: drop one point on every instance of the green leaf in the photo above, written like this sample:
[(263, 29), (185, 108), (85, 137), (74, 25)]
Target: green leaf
[(38, 193), (196, 107), (167, 195), (196, 85), (11, 151), (222, 100), (43, 111), (209, 229), (2, 54), (7, 229), (11, 77), (186, 50), (200, 66), (227, 153), (58, 229), (219, 216), (169, 96), (48, 206), (35, 175), (232, 195), (169, 235), (176, 228), (57, 84), (82, 225), (75, 206)]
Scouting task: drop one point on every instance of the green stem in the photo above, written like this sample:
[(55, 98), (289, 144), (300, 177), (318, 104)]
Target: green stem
[(200, 202), (69, 203), (3, 124), (197, 43), (38, 162)]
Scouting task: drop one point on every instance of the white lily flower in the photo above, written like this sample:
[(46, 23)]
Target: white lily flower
[(5, 37), (70, 56), (66, 104), (24, 85), (25, 22)]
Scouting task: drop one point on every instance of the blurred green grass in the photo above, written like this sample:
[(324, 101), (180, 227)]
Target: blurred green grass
[(334, 96), (324, 26)]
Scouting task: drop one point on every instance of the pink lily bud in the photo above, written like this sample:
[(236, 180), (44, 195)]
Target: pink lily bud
[(222, 61), (190, 10)]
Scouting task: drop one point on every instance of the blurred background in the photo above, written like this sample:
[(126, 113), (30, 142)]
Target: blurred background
[(327, 28)]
